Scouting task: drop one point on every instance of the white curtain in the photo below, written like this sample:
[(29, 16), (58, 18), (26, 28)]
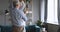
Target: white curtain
[(52, 16)]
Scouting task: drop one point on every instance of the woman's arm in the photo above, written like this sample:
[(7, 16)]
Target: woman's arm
[(23, 5)]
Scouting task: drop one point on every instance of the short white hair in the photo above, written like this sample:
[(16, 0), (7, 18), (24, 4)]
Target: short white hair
[(15, 3)]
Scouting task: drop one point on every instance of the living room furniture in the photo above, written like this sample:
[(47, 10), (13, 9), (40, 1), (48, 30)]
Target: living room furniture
[(30, 28)]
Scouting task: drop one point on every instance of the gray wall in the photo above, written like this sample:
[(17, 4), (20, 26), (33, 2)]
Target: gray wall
[(3, 6), (35, 9)]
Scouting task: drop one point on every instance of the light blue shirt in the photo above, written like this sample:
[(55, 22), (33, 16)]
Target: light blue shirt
[(17, 15)]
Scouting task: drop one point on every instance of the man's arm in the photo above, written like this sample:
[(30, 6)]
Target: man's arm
[(23, 15)]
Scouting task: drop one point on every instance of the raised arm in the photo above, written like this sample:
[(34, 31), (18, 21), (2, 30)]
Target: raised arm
[(23, 5)]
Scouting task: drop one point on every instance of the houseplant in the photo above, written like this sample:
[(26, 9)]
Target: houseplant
[(39, 23)]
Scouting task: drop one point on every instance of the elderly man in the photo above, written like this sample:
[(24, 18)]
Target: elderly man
[(18, 17)]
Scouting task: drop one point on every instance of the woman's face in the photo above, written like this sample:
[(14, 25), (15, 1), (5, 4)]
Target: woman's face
[(19, 5)]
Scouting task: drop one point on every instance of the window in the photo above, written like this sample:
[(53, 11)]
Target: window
[(52, 16), (49, 12)]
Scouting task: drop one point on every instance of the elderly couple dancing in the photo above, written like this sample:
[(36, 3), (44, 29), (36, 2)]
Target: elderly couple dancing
[(17, 15)]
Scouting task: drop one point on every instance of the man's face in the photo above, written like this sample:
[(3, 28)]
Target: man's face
[(19, 5)]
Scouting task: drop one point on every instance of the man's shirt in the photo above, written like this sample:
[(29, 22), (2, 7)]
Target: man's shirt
[(18, 17)]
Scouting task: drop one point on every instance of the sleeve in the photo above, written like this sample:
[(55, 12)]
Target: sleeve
[(23, 15)]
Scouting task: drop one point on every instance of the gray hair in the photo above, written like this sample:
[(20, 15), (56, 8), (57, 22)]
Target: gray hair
[(15, 3)]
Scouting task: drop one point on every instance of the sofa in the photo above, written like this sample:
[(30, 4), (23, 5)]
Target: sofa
[(30, 28)]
